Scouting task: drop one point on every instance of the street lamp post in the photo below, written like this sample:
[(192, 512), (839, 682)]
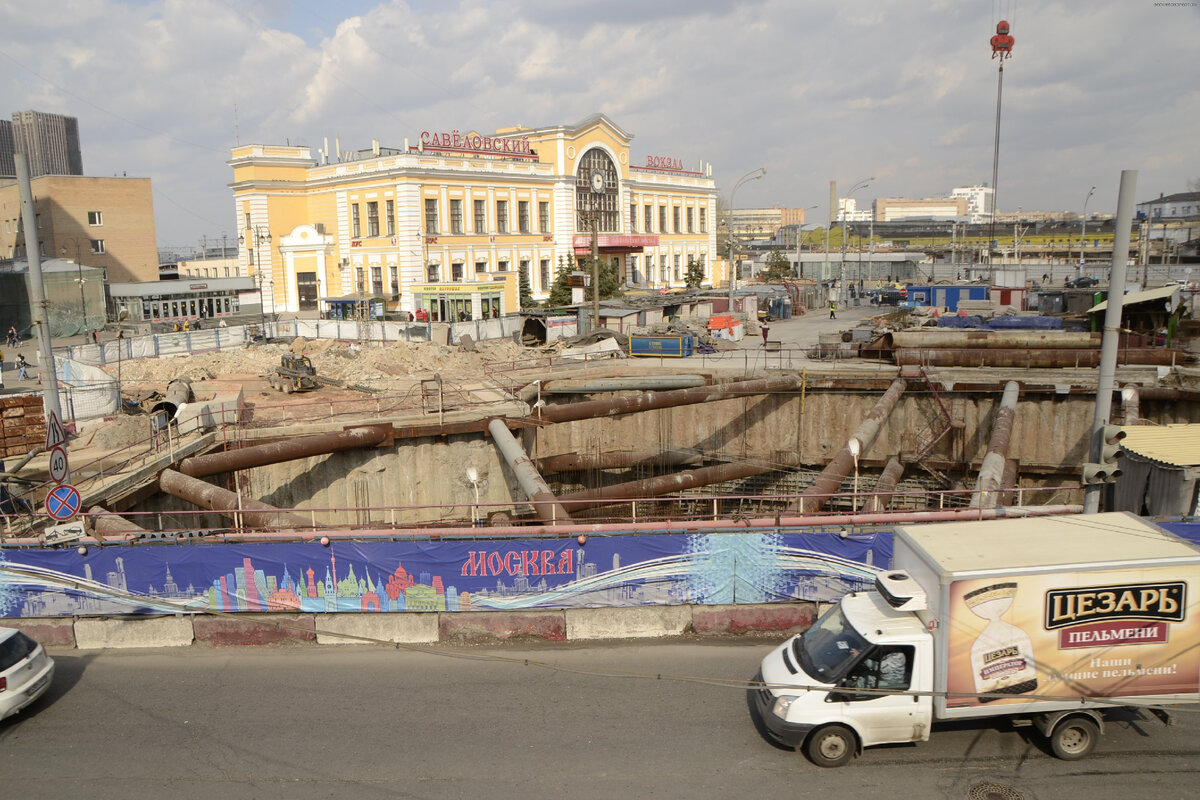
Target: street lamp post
[(752, 175), (799, 234), (842, 269), (258, 237), (1083, 231)]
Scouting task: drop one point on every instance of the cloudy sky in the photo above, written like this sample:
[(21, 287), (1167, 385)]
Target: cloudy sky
[(900, 90)]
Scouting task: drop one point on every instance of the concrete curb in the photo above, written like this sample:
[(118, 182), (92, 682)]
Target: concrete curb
[(467, 627)]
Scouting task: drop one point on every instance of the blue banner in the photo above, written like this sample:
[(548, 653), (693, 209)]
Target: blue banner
[(443, 575)]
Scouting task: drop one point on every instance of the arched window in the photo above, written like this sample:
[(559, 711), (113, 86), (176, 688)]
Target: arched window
[(597, 191)]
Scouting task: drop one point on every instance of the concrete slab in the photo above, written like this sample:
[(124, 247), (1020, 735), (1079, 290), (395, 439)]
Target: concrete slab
[(104, 633), (642, 622), (49, 632), (415, 628), (481, 627), (255, 629), (724, 620)]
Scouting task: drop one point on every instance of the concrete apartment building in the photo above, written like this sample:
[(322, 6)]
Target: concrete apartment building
[(891, 209), (105, 223), (50, 143)]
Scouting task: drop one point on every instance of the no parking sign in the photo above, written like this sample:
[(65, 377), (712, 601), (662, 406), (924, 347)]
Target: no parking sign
[(63, 502)]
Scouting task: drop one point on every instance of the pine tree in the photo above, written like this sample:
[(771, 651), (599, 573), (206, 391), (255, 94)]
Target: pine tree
[(560, 292), (525, 290)]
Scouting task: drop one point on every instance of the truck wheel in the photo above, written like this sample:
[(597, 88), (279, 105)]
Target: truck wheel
[(831, 746), (1075, 738)]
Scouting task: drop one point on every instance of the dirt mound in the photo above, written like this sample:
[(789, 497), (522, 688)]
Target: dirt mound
[(334, 359)]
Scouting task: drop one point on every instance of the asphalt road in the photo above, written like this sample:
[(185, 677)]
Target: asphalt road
[(366, 722)]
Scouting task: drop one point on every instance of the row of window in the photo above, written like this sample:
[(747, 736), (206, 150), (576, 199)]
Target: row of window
[(210, 272), (434, 273), (389, 218), (18, 250), (670, 268), (376, 287), (95, 219), (479, 207), (676, 219)]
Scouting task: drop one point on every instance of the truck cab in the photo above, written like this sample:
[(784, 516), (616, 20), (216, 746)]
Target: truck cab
[(862, 675)]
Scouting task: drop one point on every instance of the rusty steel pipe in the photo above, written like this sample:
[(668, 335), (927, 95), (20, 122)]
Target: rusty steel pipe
[(616, 459), (286, 450), (1008, 483), (1032, 358), (107, 524), (827, 483), (625, 384), (665, 484), (1130, 404), (255, 513), (544, 502), (991, 471), (609, 407), (885, 487)]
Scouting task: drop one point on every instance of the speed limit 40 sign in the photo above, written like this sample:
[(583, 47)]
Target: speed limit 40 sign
[(60, 471)]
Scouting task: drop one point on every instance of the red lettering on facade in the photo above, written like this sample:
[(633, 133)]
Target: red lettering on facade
[(564, 562), (495, 563), (529, 565), (475, 564)]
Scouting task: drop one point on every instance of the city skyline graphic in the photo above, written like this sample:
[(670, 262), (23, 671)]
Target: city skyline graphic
[(391, 577)]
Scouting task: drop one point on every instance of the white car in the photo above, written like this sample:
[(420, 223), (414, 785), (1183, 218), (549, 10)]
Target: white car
[(25, 671)]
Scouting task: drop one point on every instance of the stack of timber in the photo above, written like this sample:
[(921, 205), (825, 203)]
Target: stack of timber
[(22, 424)]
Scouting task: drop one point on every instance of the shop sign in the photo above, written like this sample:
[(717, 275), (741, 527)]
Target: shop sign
[(474, 143)]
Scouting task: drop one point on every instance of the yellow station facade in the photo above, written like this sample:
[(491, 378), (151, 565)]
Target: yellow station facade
[(443, 226)]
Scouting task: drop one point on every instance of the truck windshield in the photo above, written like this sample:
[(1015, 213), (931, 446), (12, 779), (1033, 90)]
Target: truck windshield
[(830, 646)]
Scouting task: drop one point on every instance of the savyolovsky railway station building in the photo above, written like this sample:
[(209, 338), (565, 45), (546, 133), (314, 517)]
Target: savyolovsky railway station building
[(445, 224)]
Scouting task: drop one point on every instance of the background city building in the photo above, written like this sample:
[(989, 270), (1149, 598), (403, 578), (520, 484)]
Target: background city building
[(107, 223), (892, 209), (765, 222), (445, 225), (1183, 205), (50, 142)]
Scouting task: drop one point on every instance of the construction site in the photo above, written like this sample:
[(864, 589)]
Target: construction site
[(758, 467), (397, 435)]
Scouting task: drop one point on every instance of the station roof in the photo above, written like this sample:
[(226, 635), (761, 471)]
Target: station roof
[(1161, 293), (1174, 445)]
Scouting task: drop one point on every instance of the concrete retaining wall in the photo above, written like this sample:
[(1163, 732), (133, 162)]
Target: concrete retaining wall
[(565, 625)]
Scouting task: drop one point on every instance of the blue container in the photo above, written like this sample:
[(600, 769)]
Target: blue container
[(662, 346)]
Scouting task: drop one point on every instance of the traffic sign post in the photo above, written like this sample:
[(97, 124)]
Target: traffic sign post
[(63, 502), (60, 470), (56, 434)]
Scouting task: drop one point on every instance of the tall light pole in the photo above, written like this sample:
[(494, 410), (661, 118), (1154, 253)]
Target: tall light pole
[(799, 233), (842, 269), (257, 238), (1083, 232), (752, 175), (79, 280)]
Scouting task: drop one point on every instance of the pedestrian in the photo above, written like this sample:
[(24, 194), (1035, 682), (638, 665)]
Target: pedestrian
[(765, 331), (186, 325), (222, 323), (177, 327), (13, 336), (22, 367), (95, 336), (832, 309), (1, 369)]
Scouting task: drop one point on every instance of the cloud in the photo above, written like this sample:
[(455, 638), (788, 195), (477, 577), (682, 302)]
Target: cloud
[(812, 91)]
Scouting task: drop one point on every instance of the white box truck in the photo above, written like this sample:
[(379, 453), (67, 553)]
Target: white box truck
[(1051, 621)]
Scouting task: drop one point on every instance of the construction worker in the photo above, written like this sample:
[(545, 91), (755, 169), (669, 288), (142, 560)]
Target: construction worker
[(832, 309)]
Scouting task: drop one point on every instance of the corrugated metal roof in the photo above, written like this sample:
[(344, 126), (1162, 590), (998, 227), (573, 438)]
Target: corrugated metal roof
[(1177, 445), (1161, 293)]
